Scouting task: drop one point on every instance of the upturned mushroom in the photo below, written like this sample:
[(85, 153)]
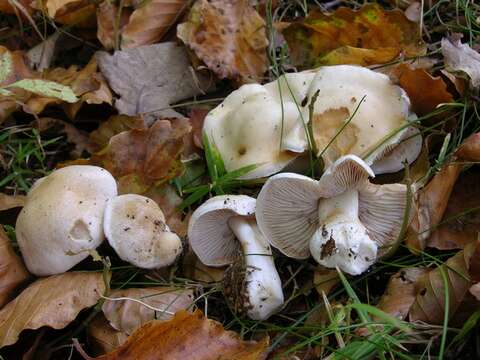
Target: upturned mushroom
[(341, 220), (63, 218), (358, 111), (136, 229), (223, 231)]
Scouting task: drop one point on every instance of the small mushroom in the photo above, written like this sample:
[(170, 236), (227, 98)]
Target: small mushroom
[(408, 149), (341, 220), (136, 229), (63, 218), (223, 231)]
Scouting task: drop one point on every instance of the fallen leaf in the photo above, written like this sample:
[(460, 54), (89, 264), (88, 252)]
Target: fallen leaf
[(187, 336), (400, 293), (107, 13), (425, 91), (461, 220), (229, 37), (429, 305), (115, 125), (41, 56), (8, 7), (469, 150), (152, 78), (68, 12), (430, 203), (102, 338), (194, 269), (128, 315), (11, 201), (145, 156), (475, 291), (12, 271), (461, 57), (370, 35), (54, 302), (325, 279)]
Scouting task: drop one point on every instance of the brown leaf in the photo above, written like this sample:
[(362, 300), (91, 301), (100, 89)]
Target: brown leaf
[(145, 156), (9, 202), (229, 37), (102, 338), (370, 35), (128, 315), (194, 269), (68, 12), (461, 271), (107, 13), (12, 271), (325, 279), (425, 91), (152, 78), (187, 336), (461, 57), (54, 302), (115, 125), (470, 148), (475, 291), (456, 231), (400, 292)]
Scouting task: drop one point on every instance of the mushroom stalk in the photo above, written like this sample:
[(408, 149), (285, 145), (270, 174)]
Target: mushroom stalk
[(263, 285), (341, 239)]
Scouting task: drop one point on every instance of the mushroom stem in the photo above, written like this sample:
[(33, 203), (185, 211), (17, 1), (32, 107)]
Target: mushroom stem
[(341, 239), (263, 285)]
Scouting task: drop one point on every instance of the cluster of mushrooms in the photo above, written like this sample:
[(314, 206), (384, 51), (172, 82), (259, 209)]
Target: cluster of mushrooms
[(361, 126)]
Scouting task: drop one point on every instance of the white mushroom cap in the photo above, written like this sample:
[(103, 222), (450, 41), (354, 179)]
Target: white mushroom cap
[(135, 228), (408, 149), (301, 216), (223, 228), (63, 218)]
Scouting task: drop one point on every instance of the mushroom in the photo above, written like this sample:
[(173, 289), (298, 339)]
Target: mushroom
[(341, 220), (136, 229), (63, 218), (223, 231), (267, 125)]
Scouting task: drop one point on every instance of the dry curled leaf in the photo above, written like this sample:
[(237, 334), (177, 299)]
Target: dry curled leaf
[(194, 269), (370, 35), (461, 57), (325, 279), (54, 302), (11, 201), (115, 125), (109, 17), (102, 338), (470, 149), (152, 78), (128, 315), (425, 91), (229, 37), (145, 156), (400, 292), (69, 12), (460, 272), (12, 270), (187, 336)]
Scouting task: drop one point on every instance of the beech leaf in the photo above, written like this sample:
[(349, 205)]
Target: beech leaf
[(128, 315), (12, 270), (102, 338), (370, 35), (54, 302), (9, 202), (461, 57), (229, 37), (47, 88), (187, 336)]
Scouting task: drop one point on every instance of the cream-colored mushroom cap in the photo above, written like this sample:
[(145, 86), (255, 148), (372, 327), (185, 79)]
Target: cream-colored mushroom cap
[(63, 218), (136, 229)]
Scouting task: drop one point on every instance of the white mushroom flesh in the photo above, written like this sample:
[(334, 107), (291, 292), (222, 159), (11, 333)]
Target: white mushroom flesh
[(136, 229), (63, 218), (263, 285), (341, 239)]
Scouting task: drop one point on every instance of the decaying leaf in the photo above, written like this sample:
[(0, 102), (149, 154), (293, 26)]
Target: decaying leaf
[(145, 156), (229, 37), (461, 57), (11, 201), (102, 338), (400, 292), (475, 291), (12, 271), (194, 269), (470, 149), (115, 125), (368, 36), (460, 272), (187, 336), (68, 12), (54, 302), (461, 219), (128, 315), (325, 279), (109, 17), (152, 78), (425, 91)]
